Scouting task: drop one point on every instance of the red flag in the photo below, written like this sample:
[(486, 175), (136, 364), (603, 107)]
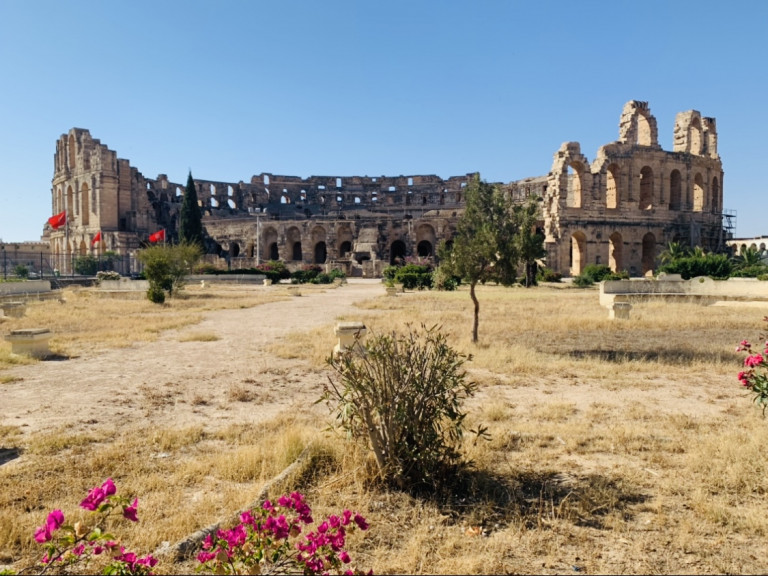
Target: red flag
[(96, 238), (157, 236), (58, 220)]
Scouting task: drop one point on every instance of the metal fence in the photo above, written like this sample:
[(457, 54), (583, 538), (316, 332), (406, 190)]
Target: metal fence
[(26, 264)]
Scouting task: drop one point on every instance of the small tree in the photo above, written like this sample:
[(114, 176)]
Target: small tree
[(21, 271), (190, 219), (529, 241), (484, 247), (400, 395), (166, 266)]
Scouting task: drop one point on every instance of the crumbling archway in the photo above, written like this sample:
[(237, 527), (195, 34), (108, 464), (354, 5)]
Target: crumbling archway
[(321, 253), (397, 252)]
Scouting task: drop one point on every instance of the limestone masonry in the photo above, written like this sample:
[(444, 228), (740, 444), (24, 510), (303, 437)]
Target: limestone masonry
[(621, 209)]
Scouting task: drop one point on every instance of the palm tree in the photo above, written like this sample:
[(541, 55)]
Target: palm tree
[(674, 251)]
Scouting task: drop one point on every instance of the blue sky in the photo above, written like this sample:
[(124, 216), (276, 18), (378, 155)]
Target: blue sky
[(234, 88)]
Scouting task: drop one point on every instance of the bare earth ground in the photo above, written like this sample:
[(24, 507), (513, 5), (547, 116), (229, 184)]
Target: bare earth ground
[(184, 383), (188, 383)]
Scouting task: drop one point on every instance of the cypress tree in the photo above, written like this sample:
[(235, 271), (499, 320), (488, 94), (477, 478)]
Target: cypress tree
[(190, 220)]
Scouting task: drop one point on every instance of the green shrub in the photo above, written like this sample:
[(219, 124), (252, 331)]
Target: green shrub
[(750, 271), (400, 396), (165, 267), (414, 276), (155, 294), (545, 274), (441, 280), (109, 275), (86, 265), (717, 266), (21, 271)]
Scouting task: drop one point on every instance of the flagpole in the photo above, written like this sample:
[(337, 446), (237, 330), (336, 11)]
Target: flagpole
[(66, 239)]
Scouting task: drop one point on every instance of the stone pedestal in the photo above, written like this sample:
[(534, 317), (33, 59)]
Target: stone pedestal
[(619, 310), (30, 342), (267, 282), (348, 334), (13, 309)]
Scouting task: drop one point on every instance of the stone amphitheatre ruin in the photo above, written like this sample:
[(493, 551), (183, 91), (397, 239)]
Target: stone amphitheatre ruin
[(620, 210)]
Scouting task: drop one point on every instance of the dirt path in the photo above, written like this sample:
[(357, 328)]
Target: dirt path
[(187, 383)]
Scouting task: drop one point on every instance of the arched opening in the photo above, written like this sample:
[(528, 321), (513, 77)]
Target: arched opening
[(646, 188), (612, 187), (70, 203), (424, 249), (698, 193), (85, 200), (643, 131), (649, 253), (715, 194), (578, 253), (695, 137), (296, 252), (574, 185), (234, 250), (345, 248), (83, 250), (616, 252), (396, 252), (71, 152), (268, 244), (675, 190), (321, 253)]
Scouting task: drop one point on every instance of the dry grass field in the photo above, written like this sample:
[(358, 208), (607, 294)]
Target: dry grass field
[(616, 446)]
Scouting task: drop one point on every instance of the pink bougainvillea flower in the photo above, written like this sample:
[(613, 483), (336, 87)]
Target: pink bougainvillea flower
[(42, 534), (78, 550), (344, 557), (130, 511), (361, 523), (109, 487), (94, 499), (55, 520), (753, 360)]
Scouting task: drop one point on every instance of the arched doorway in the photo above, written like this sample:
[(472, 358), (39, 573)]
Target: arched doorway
[(424, 249), (646, 188), (612, 187), (345, 248), (675, 190), (698, 193), (574, 185), (321, 253), (649, 253), (578, 253), (396, 252)]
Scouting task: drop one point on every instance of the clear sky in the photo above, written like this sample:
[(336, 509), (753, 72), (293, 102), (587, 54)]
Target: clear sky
[(233, 88)]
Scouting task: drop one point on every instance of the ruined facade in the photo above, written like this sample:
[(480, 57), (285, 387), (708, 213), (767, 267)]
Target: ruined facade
[(620, 210)]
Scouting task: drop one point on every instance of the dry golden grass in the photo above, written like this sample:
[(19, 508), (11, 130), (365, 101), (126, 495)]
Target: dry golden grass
[(91, 322), (616, 447)]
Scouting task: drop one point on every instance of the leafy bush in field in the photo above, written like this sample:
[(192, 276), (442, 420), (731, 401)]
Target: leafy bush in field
[(414, 276), (441, 280), (545, 274), (21, 271), (166, 266), (400, 396), (717, 266), (86, 265)]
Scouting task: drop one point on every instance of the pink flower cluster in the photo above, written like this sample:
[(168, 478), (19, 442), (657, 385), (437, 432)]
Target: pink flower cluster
[(75, 543), (264, 537), (755, 375)]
